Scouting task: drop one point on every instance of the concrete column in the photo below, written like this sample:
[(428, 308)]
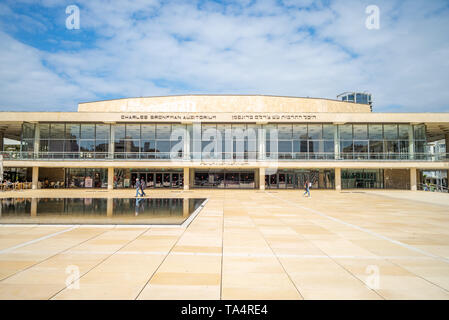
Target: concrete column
[(338, 179), (110, 207), (37, 141), (336, 143), (110, 178), (33, 207), (111, 143), (446, 139), (411, 145), (186, 179), (185, 208), (261, 178), (35, 178), (413, 185), (187, 138), (261, 143)]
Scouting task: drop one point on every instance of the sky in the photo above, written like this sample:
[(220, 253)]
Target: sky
[(301, 48)]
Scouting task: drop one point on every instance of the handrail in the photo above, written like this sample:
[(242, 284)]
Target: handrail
[(226, 156), (429, 186)]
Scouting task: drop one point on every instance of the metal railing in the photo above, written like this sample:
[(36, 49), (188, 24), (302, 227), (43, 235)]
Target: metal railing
[(432, 187), (226, 156)]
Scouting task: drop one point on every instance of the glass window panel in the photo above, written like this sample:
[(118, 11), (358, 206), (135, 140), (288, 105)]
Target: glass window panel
[(163, 146), (345, 131), (72, 131), (87, 145), (56, 146), (285, 146), (329, 146), (375, 131), (132, 145), (285, 131), (147, 146), (346, 146), (392, 146), (403, 131), (101, 145), (133, 131), (44, 130), (28, 131), (419, 146), (252, 130), (316, 146), (329, 131), (360, 131), (390, 131), (148, 131), (403, 146), (102, 131), (315, 131), (119, 146), (351, 97), (71, 146), (163, 131), (28, 145), (269, 128), (57, 131), (300, 131), (419, 132), (360, 145), (376, 146), (119, 132), (43, 145), (87, 131)]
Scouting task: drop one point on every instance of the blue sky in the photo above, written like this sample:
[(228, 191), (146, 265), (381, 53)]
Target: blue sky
[(293, 48)]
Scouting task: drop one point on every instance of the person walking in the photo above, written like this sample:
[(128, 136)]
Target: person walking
[(306, 188), (137, 187), (142, 187)]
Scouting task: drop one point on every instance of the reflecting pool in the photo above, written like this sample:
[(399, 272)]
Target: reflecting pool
[(173, 211)]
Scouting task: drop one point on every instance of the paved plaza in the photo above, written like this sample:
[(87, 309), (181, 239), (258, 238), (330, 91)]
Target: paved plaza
[(251, 244)]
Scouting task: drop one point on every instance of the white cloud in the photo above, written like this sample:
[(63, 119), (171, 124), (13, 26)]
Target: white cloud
[(254, 47)]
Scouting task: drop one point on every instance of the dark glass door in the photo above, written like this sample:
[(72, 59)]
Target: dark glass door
[(158, 183), (150, 180), (290, 183), (166, 180)]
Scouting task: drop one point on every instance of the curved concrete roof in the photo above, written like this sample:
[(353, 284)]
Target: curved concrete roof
[(222, 103)]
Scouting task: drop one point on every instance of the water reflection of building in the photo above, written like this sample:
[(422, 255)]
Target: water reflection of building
[(334, 144)]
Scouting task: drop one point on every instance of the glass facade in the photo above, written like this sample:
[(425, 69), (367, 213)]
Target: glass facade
[(296, 179), (86, 178), (224, 179), (362, 179), (154, 178), (164, 141)]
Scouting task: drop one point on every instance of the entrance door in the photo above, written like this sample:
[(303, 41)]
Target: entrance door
[(166, 180), (273, 181), (175, 180), (290, 182), (158, 182), (282, 182), (134, 176), (232, 180), (150, 180)]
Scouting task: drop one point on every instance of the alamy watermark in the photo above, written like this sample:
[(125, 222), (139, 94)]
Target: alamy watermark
[(372, 22), (73, 20)]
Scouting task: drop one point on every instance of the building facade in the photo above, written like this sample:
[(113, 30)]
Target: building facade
[(228, 142)]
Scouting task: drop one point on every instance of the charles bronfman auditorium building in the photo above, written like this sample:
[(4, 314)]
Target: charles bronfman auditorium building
[(225, 141)]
